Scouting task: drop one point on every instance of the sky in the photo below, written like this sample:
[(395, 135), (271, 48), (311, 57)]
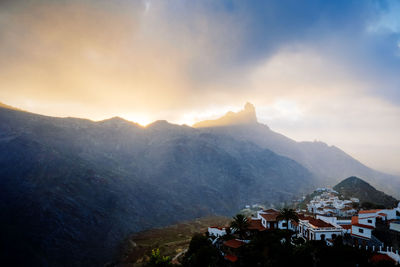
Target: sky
[(315, 70)]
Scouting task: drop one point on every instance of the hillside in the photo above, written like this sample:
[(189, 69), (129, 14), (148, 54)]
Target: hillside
[(329, 164), (356, 187), (171, 240), (72, 189)]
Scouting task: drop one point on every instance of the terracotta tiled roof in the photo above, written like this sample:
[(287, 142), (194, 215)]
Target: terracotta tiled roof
[(271, 211), (354, 221), (363, 226), (270, 217), (319, 223), (359, 236), (302, 216), (381, 257), (368, 217), (368, 211), (218, 227), (255, 225), (347, 208), (231, 257), (346, 226), (233, 243)]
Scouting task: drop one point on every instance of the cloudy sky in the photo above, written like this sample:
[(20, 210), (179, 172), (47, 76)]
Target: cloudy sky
[(315, 70)]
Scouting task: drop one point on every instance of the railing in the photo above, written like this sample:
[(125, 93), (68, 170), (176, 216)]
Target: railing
[(383, 250), (394, 255)]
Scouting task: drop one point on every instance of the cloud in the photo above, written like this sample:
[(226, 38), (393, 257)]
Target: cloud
[(308, 95), (315, 69)]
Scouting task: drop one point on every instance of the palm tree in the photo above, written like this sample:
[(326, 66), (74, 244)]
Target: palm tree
[(240, 224), (287, 215)]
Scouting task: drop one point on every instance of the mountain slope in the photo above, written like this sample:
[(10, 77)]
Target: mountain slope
[(328, 163), (2, 105), (72, 189), (356, 187)]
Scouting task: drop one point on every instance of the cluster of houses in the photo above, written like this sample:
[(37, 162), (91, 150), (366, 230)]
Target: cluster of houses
[(314, 227), (328, 203)]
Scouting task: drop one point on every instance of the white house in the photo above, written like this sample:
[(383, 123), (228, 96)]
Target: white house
[(363, 231), (269, 220), (318, 229), (345, 224), (385, 214), (216, 231), (363, 224), (329, 204), (395, 226)]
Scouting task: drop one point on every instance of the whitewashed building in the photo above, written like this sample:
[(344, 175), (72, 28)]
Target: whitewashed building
[(269, 220), (328, 203), (319, 228), (364, 223), (216, 231)]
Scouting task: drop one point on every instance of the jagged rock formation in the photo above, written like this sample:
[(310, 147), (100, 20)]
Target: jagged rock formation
[(247, 116)]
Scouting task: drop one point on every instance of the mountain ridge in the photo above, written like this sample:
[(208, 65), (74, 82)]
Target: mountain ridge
[(70, 184), (358, 188), (329, 163), (76, 184), (243, 117)]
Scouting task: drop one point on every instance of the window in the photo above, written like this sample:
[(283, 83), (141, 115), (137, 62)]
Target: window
[(369, 221), (360, 230), (284, 224)]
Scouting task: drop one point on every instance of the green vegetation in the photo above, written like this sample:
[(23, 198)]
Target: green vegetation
[(202, 253), (240, 224), (157, 260), (369, 205), (287, 215)]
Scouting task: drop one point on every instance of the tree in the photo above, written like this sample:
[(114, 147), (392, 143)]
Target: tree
[(240, 224), (202, 253), (287, 215), (157, 260)]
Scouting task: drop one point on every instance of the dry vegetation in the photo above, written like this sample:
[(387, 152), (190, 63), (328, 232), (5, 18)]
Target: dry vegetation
[(171, 240)]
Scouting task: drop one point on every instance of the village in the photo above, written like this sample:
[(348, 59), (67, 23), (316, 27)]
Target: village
[(327, 219), (327, 203)]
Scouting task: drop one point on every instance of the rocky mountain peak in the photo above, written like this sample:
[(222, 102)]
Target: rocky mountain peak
[(245, 116)]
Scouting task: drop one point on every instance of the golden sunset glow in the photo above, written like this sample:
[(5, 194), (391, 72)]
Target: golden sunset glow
[(151, 60)]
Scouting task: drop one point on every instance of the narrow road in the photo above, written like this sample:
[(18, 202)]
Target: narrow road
[(175, 259)]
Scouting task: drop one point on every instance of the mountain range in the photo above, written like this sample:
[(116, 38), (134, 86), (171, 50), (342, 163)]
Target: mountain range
[(72, 189), (328, 163)]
